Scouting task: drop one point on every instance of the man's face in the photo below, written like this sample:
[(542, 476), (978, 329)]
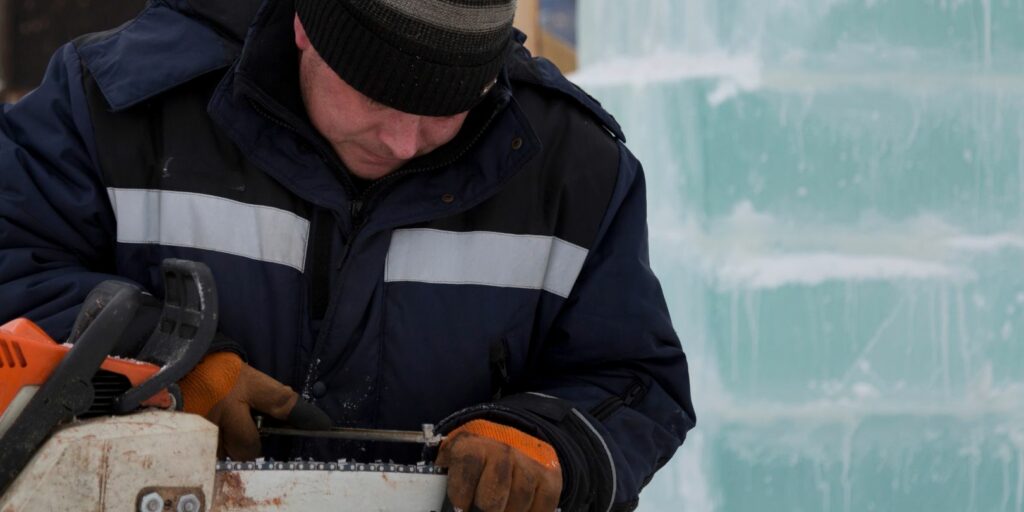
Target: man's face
[(371, 139)]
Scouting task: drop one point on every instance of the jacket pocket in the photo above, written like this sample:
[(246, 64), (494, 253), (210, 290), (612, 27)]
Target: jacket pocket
[(498, 360), (608, 406)]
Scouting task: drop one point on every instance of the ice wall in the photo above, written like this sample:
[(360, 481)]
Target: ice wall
[(837, 210)]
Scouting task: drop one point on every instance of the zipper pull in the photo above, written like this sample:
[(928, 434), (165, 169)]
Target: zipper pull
[(356, 210), (634, 393)]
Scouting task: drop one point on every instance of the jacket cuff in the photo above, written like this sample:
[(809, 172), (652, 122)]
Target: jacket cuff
[(222, 343), (588, 473)]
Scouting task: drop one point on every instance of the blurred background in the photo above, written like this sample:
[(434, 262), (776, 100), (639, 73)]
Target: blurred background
[(837, 210), (836, 194)]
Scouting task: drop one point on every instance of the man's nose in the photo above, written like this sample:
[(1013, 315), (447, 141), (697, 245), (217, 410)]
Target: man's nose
[(401, 135)]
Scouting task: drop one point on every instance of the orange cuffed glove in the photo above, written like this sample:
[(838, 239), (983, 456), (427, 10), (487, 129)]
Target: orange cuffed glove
[(496, 468), (225, 390)]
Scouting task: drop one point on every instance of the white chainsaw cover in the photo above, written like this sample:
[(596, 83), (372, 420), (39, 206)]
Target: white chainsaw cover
[(102, 464)]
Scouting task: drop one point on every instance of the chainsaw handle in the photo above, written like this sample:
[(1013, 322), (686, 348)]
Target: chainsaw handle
[(184, 332)]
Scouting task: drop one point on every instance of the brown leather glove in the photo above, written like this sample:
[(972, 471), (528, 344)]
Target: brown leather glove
[(225, 390), (496, 468)]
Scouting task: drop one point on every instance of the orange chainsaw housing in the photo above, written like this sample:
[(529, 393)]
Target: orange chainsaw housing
[(28, 356)]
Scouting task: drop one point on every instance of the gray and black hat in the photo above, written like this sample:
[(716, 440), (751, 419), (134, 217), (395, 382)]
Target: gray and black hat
[(426, 57)]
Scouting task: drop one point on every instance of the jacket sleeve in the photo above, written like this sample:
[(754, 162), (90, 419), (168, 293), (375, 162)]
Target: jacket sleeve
[(613, 392), (57, 228)]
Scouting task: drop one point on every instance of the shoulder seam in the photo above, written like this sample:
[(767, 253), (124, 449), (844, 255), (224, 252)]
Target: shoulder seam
[(541, 73)]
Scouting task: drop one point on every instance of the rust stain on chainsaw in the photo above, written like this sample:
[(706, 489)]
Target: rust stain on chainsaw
[(104, 474), (229, 491), (230, 494), (387, 481)]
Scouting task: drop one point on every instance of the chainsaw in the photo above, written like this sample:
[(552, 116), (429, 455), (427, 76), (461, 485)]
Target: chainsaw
[(81, 429)]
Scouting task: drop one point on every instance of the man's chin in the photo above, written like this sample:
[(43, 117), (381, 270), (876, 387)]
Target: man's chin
[(373, 170)]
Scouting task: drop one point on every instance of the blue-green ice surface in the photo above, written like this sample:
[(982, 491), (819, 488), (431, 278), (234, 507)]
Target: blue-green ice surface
[(836, 193)]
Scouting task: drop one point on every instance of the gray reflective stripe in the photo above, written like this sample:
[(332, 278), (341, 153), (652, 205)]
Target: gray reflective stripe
[(212, 223), (484, 258), (467, 19), (611, 460)]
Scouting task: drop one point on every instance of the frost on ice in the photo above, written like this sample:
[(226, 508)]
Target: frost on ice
[(836, 201)]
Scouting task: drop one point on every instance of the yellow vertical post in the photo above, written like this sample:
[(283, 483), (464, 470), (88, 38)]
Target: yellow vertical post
[(539, 41), (528, 20)]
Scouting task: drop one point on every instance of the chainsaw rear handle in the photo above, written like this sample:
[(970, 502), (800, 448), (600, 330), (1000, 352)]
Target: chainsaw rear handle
[(68, 391), (180, 339)]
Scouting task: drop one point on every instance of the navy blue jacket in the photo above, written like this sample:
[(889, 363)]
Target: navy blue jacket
[(505, 276)]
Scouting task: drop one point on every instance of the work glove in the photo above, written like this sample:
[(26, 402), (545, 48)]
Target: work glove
[(225, 390), (496, 468)]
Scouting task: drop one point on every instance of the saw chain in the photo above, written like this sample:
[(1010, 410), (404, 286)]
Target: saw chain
[(422, 468)]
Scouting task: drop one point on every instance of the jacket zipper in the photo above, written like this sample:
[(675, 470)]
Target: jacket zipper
[(608, 406), (355, 210), (358, 215)]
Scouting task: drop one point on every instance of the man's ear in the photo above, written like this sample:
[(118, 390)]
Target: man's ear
[(301, 40)]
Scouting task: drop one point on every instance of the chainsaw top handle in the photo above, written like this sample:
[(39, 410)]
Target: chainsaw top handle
[(183, 334)]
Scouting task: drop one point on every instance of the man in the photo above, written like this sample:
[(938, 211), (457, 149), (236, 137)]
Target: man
[(409, 220)]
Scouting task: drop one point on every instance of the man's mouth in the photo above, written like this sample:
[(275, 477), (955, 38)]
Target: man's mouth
[(374, 158)]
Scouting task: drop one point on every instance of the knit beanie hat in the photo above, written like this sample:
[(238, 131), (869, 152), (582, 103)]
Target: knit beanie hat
[(425, 57)]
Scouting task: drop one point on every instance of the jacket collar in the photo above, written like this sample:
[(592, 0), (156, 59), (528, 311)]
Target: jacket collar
[(229, 17), (265, 78)]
